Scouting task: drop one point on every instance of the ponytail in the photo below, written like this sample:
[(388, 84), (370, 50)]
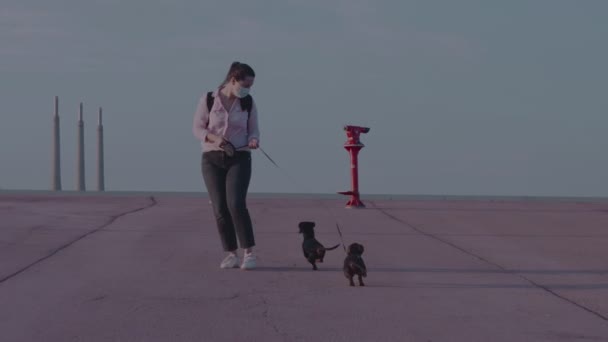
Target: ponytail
[(238, 71)]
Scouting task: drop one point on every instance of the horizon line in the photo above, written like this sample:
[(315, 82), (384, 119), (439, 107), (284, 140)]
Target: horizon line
[(336, 196)]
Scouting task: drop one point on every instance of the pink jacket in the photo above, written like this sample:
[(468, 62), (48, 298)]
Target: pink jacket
[(231, 124)]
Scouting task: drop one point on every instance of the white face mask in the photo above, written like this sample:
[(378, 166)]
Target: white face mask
[(242, 92)]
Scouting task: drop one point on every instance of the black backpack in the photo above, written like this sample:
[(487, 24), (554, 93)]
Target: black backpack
[(246, 103)]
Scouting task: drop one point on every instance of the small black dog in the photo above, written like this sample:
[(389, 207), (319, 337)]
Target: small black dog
[(354, 265), (313, 249)]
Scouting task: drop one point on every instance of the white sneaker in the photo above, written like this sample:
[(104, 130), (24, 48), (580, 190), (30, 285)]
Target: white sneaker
[(249, 262), (231, 261)]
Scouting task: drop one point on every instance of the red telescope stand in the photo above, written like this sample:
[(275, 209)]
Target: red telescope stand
[(353, 146)]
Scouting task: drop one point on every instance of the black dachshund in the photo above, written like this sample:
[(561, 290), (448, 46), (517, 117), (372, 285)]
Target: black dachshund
[(313, 249), (354, 265)]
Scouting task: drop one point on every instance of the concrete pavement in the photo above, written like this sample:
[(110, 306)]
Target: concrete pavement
[(136, 268)]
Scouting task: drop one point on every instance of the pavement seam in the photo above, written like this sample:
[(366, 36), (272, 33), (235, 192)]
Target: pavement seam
[(537, 285), (267, 319), (112, 219)]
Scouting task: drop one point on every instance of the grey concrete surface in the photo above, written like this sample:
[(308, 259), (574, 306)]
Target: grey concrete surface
[(136, 268)]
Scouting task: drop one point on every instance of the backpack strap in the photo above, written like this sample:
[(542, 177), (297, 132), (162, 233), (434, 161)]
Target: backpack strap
[(247, 104), (210, 100)]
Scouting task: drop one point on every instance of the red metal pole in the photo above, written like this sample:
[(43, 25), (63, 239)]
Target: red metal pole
[(355, 200), (353, 146), (355, 170)]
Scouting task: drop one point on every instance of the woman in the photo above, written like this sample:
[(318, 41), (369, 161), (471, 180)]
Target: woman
[(226, 123)]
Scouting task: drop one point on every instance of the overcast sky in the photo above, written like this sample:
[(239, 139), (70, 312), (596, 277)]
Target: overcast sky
[(462, 97)]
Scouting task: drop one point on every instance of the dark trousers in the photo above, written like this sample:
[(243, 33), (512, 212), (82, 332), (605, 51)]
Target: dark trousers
[(227, 181)]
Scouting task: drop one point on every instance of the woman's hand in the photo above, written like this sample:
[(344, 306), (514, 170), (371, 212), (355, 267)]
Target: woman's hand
[(253, 143), (212, 138)]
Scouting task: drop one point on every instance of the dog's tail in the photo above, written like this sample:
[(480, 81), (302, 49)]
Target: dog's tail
[(332, 248)]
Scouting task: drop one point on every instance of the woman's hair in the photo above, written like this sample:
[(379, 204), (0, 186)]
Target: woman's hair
[(239, 71)]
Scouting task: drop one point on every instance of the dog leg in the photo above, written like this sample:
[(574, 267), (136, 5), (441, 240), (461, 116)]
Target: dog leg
[(312, 262), (361, 281), (351, 282)]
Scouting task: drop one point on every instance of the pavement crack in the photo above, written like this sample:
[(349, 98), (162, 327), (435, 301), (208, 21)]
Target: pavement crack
[(231, 297), (112, 219), (97, 298), (269, 321), (470, 253)]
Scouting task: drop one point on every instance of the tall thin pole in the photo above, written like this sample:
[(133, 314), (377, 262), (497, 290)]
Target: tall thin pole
[(100, 166), (56, 177), (80, 156)]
